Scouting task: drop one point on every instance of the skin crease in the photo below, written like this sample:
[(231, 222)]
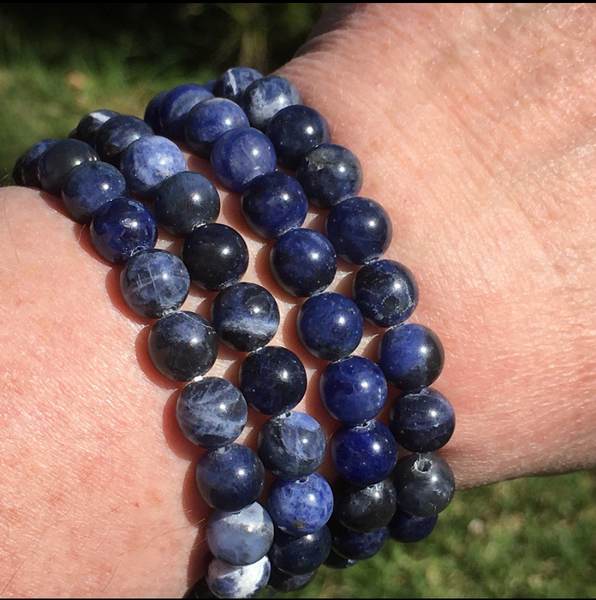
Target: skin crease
[(475, 127)]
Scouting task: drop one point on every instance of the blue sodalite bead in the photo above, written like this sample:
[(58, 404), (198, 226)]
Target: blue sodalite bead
[(386, 292), (152, 112), (25, 171), (285, 583), (89, 125), (411, 356), (148, 162), (303, 262), (359, 229), (209, 85), (245, 316), (273, 380), (211, 412), (230, 478), (292, 445), (424, 483), (302, 506), (358, 546), (209, 120), (234, 81), (353, 390), (121, 228), (154, 283), (186, 201), (117, 134), (335, 561), (273, 204), (58, 160), (175, 108), (227, 581), (365, 454), (300, 555), (330, 326), (240, 538), (182, 345), (240, 155), (409, 529), (265, 97), (294, 131), (89, 186), (329, 173), (216, 256)]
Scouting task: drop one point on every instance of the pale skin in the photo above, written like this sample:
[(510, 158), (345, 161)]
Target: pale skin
[(475, 127)]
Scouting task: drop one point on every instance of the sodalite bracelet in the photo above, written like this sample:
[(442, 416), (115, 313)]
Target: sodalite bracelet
[(246, 124)]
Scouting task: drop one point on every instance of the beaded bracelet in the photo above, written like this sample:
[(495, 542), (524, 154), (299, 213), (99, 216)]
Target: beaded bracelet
[(246, 124)]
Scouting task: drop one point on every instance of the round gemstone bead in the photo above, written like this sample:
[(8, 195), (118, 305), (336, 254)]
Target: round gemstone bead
[(273, 204), (211, 412), (175, 108), (408, 529), (240, 155), (292, 445), (183, 345), (122, 228), (353, 390), (227, 581), (330, 326), (329, 173), (273, 380), (230, 478), (285, 583), (209, 85), (424, 483), (358, 546), (411, 356), (89, 125), (335, 561), (365, 454), (216, 256), (294, 131), (234, 81), (152, 112), (303, 262), (117, 134), (89, 186), (17, 175), (300, 555), (302, 506), (26, 169)]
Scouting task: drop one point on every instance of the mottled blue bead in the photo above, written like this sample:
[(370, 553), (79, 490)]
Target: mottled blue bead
[(273, 204), (358, 546), (121, 228), (300, 555), (89, 186), (292, 445), (89, 125), (211, 412), (329, 173), (152, 112), (335, 561), (234, 81), (245, 316), (353, 390), (209, 85), (411, 356), (227, 581), (330, 326), (25, 171), (117, 134), (408, 529), (365, 454), (240, 155), (303, 262), (285, 583), (175, 108), (294, 131)]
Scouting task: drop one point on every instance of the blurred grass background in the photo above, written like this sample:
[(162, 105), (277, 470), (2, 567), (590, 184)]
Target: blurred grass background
[(521, 539)]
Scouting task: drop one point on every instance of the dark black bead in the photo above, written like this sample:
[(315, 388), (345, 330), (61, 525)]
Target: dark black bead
[(286, 583), (199, 590), (408, 529), (117, 134), (89, 125), (335, 561), (300, 555), (358, 546)]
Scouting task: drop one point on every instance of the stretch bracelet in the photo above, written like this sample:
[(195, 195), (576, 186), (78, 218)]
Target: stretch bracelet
[(246, 124)]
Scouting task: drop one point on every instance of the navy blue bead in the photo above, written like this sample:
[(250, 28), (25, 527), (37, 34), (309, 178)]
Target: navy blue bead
[(17, 175), (409, 529), (285, 583), (294, 131), (117, 134), (329, 173), (186, 201), (152, 112), (302, 506), (386, 292), (182, 345), (365, 454), (245, 316), (234, 81), (353, 390), (227, 581), (358, 546), (300, 555), (231, 477), (216, 256), (89, 186), (292, 445), (122, 228), (335, 561), (240, 155), (330, 326), (273, 380), (209, 85), (411, 356), (303, 262), (209, 120), (211, 412), (273, 204), (89, 125), (25, 171), (175, 108)]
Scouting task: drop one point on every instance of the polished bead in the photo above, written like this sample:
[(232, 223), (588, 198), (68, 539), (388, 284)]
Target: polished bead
[(216, 256), (175, 108), (353, 390), (329, 173), (210, 85), (408, 529), (89, 125), (285, 583), (300, 555), (273, 380), (26, 171), (182, 345), (16, 174), (358, 546), (227, 581), (152, 112), (211, 412), (411, 356), (330, 326), (117, 134), (303, 262), (335, 561), (234, 81)]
